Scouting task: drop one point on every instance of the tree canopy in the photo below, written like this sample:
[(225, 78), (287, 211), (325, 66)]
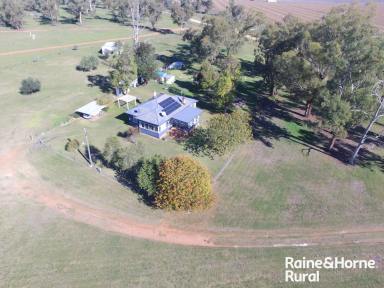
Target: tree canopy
[(12, 13), (224, 33), (145, 60), (184, 184), (125, 68), (222, 134)]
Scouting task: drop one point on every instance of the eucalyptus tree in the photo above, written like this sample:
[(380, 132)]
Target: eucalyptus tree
[(137, 13), (348, 32), (360, 60), (145, 60), (78, 8), (133, 12), (274, 40), (378, 94), (154, 11), (203, 6), (12, 13), (125, 69), (49, 9), (182, 11), (223, 34), (336, 116)]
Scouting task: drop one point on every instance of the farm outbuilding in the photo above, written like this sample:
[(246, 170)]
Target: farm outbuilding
[(127, 99), (109, 48), (165, 78), (178, 65), (90, 110)]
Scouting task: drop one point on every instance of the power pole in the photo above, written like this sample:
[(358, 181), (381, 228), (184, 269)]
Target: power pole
[(89, 150)]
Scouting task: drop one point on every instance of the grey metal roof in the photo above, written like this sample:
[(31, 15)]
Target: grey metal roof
[(151, 111), (188, 114), (92, 108)]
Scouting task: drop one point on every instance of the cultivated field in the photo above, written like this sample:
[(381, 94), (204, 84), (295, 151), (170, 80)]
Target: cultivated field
[(66, 225), (305, 10)]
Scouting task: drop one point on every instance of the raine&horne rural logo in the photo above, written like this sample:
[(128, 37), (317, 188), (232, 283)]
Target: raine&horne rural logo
[(296, 270)]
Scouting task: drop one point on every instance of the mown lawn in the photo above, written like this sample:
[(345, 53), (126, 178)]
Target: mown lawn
[(261, 187), (283, 187), (41, 249)]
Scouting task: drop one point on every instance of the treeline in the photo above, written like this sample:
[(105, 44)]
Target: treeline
[(331, 65), (132, 12), (12, 12)]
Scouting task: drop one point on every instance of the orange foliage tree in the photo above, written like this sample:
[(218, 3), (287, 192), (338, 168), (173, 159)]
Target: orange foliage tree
[(184, 184)]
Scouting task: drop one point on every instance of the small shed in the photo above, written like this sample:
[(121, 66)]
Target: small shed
[(126, 99), (169, 79), (165, 78), (108, 48), (178, 65), (91, 110)]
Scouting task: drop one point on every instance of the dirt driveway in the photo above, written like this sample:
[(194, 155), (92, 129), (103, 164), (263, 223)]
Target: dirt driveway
[(14, 163)]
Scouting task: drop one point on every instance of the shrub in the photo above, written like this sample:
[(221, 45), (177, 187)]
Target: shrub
[(122, 158), (111, 146), (72, 145), (30, 85), (222, 134), (184, 184), (88, 63), (148, 174), (130, 134)]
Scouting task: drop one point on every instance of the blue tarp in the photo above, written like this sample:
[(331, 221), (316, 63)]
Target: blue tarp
[(161, 74)]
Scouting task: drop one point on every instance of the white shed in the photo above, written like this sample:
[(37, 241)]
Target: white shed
[(108, 48), (90, 110), (169, 79), (178, 65)]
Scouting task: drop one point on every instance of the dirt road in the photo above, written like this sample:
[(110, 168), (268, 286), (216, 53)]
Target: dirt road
[(88, 43), (13, 162)]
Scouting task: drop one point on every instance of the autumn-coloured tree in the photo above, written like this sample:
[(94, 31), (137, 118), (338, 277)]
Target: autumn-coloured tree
[(184, 184)]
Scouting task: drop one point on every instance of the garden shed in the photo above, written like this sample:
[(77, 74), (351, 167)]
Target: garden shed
[(90, 110)]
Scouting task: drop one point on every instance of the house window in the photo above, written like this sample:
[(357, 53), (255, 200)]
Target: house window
[(149, 126)]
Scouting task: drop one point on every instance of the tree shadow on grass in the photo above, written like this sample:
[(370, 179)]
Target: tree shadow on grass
[(67, 20), (123, 117), (248, 68), (100, 81), (180, 53), (46, 21), (366, 158), (97, 156), (127, 178), (265, 110)]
